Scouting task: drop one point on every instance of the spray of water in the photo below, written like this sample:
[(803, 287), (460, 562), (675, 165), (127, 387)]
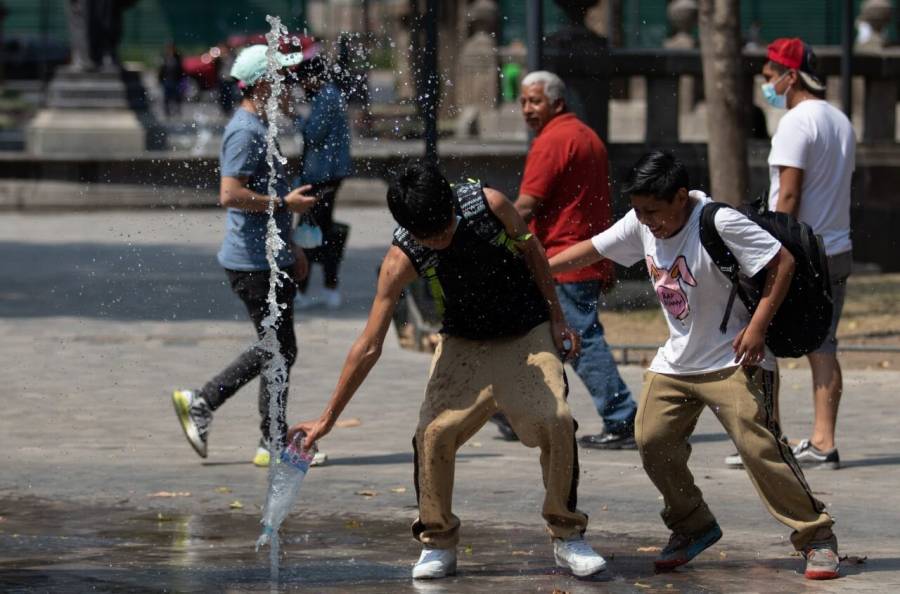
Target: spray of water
[(275, 371)]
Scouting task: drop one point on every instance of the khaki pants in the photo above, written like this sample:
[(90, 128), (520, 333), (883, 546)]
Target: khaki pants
[(469, 381), (742, 401)]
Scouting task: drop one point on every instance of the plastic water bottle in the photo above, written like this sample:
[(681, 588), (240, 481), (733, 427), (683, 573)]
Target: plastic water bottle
[(285, 478), (307, 235)]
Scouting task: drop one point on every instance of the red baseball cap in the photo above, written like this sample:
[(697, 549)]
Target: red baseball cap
[(792, 52)]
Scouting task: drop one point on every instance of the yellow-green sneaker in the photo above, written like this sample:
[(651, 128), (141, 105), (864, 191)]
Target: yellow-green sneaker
[(195, 416), (262, 457)]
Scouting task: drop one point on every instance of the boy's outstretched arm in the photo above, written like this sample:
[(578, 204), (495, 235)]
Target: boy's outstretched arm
[(750, 343), (396, 273), (577, 256)]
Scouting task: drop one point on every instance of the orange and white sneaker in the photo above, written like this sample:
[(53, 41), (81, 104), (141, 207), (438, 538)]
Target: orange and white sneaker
[(822, 561)]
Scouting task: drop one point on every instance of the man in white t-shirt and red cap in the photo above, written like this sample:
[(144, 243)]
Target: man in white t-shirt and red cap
[(811, 164)]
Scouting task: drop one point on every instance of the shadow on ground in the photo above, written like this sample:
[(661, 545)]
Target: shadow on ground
[(67, 547), (160, 282)]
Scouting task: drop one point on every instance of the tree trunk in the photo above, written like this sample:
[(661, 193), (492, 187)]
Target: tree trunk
[(720, 48)]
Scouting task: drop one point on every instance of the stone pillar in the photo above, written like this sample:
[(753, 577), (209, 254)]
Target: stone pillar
[(874, 16), (398, 24), (88, 113), (683, 19), (581, 59), (477, 79), (91, 103)]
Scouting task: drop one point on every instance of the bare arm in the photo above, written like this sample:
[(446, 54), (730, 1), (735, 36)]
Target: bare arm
[(749, 344), (575, 257), (396, 273), (526, 205), (536, 260), (234, 193), (790, 187)]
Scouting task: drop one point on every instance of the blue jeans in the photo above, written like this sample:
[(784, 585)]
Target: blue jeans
[(595, 366)]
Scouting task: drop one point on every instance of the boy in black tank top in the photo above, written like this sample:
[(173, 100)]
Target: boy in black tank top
[(503, 336)]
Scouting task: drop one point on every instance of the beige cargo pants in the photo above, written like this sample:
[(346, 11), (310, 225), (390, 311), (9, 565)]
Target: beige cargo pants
[(469, 381), (743, 402)]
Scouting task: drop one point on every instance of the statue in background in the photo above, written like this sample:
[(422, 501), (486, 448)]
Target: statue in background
[(96, 30)]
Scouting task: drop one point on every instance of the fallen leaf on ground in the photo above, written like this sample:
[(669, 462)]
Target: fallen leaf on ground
[(398, 490), (649, 549), (474, 444), (604, 508), (723, 555), (854, 559), (224, 490), (791, 365), (352, 524), (348, 423), (366, 493), (170, 494), (236, 505), (640, 585), (520, 553), (885, 364), (467, 549)]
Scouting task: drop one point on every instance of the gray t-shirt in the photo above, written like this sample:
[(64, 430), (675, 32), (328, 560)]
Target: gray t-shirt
[(244, 155)]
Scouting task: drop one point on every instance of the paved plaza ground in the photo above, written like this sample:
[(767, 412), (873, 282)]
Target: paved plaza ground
[(102, 314)]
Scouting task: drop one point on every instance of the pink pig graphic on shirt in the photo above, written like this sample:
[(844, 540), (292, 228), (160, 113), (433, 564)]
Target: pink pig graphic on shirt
[(668, 286)]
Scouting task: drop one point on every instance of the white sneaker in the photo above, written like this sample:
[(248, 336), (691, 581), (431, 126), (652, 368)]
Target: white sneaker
[(304, 301), (332, 298), (434, 564), (578, 556), (734, 461)]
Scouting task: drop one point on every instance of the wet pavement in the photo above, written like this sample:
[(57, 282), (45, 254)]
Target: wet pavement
[(50, 546), (102, 314)]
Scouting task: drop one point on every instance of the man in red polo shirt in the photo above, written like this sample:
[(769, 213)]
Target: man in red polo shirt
[(564, 196)]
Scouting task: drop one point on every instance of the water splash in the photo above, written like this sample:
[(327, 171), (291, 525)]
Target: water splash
[(275, 371)]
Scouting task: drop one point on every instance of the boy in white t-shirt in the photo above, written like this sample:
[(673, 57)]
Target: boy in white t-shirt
[(733, 372)]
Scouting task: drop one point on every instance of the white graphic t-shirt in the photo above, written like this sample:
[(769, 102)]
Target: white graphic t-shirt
[(692, 291)]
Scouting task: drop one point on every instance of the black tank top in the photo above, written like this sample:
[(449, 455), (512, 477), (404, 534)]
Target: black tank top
[(489, 291)]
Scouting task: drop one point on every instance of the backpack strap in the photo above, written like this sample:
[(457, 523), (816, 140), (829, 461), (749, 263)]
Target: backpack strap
[(720, 254), (473, 207), (425, 261)]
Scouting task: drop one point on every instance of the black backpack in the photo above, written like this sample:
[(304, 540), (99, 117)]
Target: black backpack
[(802, 322)]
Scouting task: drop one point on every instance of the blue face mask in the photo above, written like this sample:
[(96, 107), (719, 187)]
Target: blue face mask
[(772, 97)]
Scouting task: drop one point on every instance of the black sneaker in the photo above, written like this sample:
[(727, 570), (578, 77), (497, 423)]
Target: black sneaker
[(811, 457), (682, 548), (506, 430), (195, 416), (608, 441)]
